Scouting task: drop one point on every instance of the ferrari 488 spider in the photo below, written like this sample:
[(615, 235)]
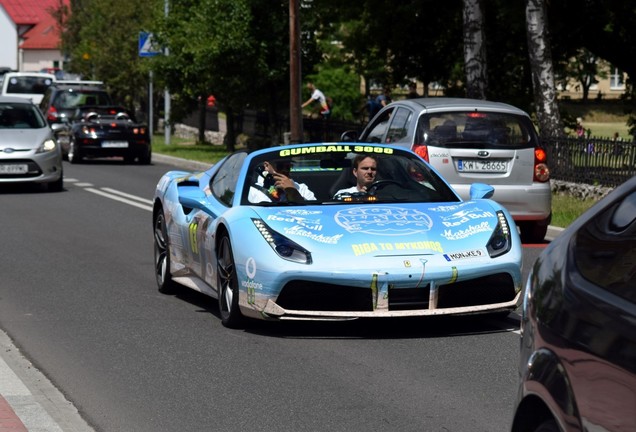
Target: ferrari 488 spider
[(283, 233)]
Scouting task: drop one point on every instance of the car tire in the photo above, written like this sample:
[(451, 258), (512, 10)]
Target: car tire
[(74, 153), (533, 232), (228, 288), (548, 426), (145, 159), (57, 185), (162, 255)]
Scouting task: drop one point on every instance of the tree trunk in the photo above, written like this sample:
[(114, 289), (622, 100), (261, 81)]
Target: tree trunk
[(542, 71), (474, 50)]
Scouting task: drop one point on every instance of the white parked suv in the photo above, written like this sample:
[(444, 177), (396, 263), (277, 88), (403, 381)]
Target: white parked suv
[(469, 141)]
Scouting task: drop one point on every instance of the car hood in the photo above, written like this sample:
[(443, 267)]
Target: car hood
[(23, 139), (387, 229)]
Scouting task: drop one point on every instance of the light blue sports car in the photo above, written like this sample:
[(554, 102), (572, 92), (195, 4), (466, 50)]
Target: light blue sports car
[(333, 231)]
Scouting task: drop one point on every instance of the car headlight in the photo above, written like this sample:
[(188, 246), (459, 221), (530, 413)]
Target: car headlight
[(47, 146), (284, 247), (500, 242)]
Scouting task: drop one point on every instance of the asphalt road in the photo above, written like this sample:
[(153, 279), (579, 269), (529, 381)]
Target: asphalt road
[(79, 300)]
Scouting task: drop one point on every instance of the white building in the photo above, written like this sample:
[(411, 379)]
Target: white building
[(30, 35)]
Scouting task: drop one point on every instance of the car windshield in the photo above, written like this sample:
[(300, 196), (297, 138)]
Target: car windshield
[(28, 84), (324, 174), (20, 116), (480, 129), (73, 99)]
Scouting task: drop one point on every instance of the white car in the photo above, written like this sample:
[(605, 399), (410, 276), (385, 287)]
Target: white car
[(30, 85), (469, 141), (28, 151)]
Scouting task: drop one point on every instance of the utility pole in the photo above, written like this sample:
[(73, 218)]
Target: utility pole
[(295, 111), (166, 96)]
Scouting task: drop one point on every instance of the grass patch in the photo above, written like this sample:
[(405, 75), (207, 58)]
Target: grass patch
[(188, 149), (566, 209), (603, 118)]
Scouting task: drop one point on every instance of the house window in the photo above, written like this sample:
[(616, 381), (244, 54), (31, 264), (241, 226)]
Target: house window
[(617, 81)]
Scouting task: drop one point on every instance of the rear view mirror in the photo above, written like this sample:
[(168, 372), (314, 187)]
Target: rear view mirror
[(349, 136)]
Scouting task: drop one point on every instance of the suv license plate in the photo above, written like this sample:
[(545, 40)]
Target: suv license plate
[(14, 169), (486, 166)]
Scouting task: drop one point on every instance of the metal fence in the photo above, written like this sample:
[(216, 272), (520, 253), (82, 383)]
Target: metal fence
[(595, 161), (321, 130)]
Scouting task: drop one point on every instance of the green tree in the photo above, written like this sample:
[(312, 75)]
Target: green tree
[(101, 39), (208, 53)]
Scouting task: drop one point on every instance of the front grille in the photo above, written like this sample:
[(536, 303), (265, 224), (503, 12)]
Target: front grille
[(316, 296), (305, 295), (497, 288), (409, 298)]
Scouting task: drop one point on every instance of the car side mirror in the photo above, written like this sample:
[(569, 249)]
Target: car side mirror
[(481, 191), (58, 126), (191, 197)]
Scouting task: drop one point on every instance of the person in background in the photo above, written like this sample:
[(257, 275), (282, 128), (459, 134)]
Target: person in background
[(317, 96), (412, 94), (385, 98), (580, 130)]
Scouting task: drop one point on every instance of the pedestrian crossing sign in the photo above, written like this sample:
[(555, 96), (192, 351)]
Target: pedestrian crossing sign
[(147, 46)]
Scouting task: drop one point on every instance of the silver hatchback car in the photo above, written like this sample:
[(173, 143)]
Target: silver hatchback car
[(469, 141), (28, 151)]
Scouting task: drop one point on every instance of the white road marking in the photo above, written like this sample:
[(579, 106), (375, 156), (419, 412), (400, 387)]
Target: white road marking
[(124, 194), (122, 199)]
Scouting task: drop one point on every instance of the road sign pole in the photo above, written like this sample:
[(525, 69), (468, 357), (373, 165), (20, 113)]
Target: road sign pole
[(150, 105), (166, 124)]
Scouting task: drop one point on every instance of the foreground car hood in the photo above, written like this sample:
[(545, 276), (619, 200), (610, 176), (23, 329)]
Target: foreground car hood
[(23, 139), (386, 229)]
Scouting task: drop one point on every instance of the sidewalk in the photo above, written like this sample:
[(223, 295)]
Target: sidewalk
[(28, 400)]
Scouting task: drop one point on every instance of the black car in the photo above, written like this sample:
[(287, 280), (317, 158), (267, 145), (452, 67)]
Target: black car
[(105, 131), (62, 99), (578, 328)]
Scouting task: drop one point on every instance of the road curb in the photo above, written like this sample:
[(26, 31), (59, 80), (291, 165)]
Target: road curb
[(182, 163), (33, 401), (553, 232)]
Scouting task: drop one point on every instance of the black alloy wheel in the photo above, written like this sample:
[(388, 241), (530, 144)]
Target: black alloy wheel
[(231, 316), (162, 256)]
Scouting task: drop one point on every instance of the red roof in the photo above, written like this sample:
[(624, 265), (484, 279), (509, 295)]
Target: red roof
[(36, 14)]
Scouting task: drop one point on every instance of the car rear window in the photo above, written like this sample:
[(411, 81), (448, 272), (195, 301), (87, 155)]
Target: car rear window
[(470, 129), (28, 85), (73, 99)]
